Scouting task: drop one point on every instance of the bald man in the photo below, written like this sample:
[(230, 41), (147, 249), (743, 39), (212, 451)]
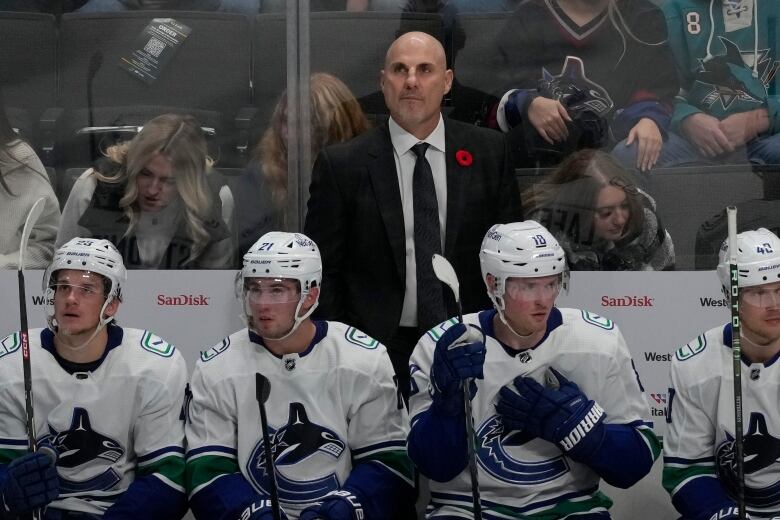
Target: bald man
[(375, 201)]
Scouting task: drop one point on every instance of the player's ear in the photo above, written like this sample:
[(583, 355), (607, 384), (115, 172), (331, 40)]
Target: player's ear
[(311, 299), (112, 308), (491, 282)]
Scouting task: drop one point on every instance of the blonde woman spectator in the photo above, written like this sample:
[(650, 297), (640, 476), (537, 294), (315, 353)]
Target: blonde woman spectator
[(261, 194), (23, 180), (601, 219), (155, 199)]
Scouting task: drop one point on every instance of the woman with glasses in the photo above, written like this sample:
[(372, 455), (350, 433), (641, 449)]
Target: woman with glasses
[(155, 199), (602, 220)]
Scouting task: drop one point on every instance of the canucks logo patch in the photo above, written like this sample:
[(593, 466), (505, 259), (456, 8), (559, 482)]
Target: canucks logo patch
[(299, 448), (438, 331), (10, 343), (598, 321), (692, 348), (360, 339), (213, 352), (497, 453), (156, 345), (80, 446)]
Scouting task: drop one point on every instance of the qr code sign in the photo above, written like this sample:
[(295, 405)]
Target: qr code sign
[(154, 47)]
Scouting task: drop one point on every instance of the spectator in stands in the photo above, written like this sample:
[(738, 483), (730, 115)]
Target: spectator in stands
[(155, 199), (603, 221), (232, 6), (587, 74), (23, 180), (727, 59), (261, 194)]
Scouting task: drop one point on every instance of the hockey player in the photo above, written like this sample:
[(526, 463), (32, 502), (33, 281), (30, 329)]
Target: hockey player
[(727, 59), (108, 401), (336, 419), (699, 452), (557, 404)]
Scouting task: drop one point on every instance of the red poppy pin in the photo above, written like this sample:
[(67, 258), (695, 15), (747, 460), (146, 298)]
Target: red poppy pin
[(464, 157)]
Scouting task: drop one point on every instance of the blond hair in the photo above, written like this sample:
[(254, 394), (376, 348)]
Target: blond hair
[(336, 117), (180, 139)]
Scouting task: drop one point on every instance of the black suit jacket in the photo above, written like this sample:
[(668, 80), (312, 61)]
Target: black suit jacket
[(355, 217)]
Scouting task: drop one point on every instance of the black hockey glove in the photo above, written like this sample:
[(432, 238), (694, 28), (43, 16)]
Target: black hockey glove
[(459, 356), (30, 483), (337, 505), (562, 415), (260, 510)]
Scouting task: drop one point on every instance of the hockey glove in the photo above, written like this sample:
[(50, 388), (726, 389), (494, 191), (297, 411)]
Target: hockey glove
[(30, 483), (337, 505), (562, 415), (260, 510), (459, 356)]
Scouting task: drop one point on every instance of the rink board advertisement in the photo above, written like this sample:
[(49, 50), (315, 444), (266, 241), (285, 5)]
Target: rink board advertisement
[(656, 312)]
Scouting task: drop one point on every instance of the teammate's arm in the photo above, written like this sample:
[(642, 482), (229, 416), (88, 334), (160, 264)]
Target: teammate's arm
[(689, 464), (158, 438), (216, 487)]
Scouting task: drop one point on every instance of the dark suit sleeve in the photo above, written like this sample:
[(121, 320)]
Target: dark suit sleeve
[(509, 206), (326, 224)]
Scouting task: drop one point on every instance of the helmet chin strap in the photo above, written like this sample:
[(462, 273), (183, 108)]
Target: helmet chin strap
[(100, 326), (298, 319), (511, 329)]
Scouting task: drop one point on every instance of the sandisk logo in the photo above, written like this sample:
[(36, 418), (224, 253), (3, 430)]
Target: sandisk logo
[(627, 301), (183, 300)]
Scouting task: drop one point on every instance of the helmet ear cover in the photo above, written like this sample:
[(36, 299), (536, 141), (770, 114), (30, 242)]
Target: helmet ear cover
[(758, 259)]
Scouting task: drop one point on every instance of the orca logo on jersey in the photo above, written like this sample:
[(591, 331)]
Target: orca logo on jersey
[(493, 454), (79, 445), (299, 441), (761, 450), (574, 90)]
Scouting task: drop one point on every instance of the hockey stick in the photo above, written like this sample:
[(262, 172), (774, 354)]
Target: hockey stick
[(736, 353), (263, 390), (446, 274), (32, 443)]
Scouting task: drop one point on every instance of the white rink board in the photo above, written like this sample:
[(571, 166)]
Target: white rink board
[(657, 313)]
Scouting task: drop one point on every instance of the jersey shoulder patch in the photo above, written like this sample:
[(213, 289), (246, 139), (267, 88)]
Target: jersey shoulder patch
[(694, 347), (10, 344), (153, 343), (361, 339), (597, 320), (438, 331), (208, 355)]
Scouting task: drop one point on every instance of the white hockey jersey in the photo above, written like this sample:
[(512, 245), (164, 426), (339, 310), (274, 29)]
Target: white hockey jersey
[(108, 425), (330, 408), (519, 478), (699, 443)]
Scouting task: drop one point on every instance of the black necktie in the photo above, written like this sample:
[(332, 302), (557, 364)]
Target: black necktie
[(427, 241)]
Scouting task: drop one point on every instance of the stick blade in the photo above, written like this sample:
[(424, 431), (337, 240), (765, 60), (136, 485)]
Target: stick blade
[(262, 388), (32, 218), (443, 270)]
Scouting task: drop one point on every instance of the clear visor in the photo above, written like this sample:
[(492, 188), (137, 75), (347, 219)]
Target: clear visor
[(84, 284), (533, 289), (762, 296), (272, 290)]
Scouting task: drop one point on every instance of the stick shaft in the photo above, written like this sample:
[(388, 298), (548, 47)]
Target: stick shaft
[(269, 465), (736, 347)]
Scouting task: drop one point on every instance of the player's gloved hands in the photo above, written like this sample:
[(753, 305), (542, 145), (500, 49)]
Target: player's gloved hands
[(260, 510), (31, 482), (337, 505), (459, 356), (561, 414), (728, 513)]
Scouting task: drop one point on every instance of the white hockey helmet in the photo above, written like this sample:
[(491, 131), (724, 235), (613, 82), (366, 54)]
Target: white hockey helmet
[(758, 259), (86, 254), (284, 255), (519, 250)]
